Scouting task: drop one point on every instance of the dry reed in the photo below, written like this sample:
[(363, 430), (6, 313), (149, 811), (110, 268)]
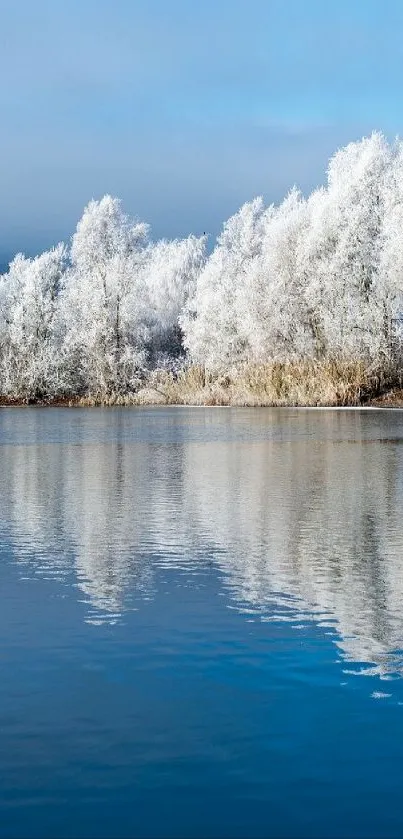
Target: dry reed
[(286, 384)]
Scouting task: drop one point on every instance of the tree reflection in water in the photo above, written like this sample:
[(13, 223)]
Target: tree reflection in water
[(302, 523)]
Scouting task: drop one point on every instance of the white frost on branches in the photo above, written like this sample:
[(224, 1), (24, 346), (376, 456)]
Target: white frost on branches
[(29, 300), (313, 278)]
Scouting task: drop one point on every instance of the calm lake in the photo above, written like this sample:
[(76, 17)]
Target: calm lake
[(201, 623)]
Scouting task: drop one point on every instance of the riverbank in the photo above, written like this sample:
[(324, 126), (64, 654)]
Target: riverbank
[(391, 399), (306, 384)]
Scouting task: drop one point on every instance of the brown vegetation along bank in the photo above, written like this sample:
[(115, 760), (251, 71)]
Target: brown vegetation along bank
[(392, 398), (306, 384)]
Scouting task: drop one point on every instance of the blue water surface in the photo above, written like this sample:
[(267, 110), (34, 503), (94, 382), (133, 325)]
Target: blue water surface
[(201, 623)]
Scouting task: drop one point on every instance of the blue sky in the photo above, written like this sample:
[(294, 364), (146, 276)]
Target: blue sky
[(184, 109)]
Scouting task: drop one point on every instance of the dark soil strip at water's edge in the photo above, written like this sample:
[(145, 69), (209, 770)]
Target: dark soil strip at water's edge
[(389, 399)]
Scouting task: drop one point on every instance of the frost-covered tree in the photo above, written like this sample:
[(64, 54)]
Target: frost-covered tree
[(213, 332), (103, 304), (170, 274), (29, 292), (389, 287), (341, 252), (248, 302), (320, 278), (271, 307)]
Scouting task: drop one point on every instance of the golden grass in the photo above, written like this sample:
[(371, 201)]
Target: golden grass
[(287, 384), (276, 384)]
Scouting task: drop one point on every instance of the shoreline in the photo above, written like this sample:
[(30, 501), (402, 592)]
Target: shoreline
[(325, 384), (394, 403)]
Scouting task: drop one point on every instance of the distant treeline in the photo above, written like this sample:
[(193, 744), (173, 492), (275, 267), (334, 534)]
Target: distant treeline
[(316, 280)]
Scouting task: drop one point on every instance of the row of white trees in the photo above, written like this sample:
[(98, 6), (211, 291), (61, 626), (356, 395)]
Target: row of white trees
[(89, 319), (311, 278)]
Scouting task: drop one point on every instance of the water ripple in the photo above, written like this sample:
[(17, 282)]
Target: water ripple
[(300, 525)]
